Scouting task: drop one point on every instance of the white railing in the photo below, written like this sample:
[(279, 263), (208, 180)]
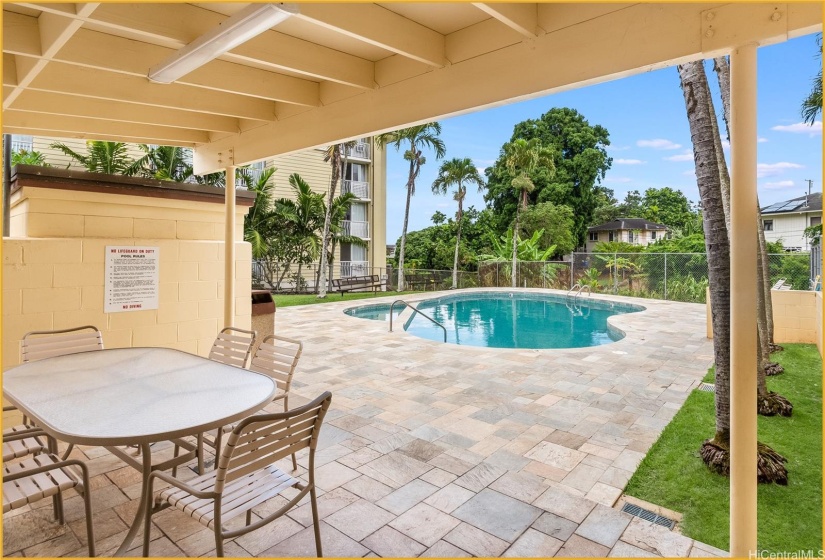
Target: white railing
[(355, 268), (20, 145), (361, 149), (356, 229), (361, 189)]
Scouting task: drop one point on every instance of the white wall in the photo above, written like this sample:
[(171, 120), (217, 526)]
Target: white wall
[(789, 227)]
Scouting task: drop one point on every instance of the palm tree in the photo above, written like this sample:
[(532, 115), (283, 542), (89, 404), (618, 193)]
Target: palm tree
[(260, 226), (337, 235), (812, 105), (104, 157), (523, 158), (29, 157), (166, 163), (305, 214), (715, 452), (335, 155), (418, 137), (457, 172)]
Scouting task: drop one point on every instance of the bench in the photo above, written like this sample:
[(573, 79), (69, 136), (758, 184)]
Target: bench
[(351, 283)]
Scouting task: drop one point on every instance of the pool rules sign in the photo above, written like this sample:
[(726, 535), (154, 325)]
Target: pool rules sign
[(132, 279)]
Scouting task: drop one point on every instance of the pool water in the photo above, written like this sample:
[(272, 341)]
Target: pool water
[(512, 320), (377, 312)]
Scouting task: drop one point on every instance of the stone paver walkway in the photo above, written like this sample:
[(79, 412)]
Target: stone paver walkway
[(441, 450)]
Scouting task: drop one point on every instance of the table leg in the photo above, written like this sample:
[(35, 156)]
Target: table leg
[(146, 455)]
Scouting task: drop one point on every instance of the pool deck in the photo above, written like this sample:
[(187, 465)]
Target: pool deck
[(443, 450)]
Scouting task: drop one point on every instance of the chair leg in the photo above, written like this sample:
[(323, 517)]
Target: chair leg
[(286, 409), (68, 452), (175, 454), (218, 440), (248, 517), (87, 504), (201, 470), (218, 537), (315, 523), (147, 526), (57, 506)]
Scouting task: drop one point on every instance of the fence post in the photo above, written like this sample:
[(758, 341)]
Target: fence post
[(615, 273), (665, 276), (572, 264)]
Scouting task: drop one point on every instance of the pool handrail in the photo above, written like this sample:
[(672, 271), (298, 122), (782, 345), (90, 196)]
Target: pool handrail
[(415, 310), (589, 291)]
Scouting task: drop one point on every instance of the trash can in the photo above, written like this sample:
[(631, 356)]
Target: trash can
[(263, 316)]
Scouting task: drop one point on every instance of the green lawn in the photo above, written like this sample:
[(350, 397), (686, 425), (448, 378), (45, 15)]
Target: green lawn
[(790, 517), (288, 300)]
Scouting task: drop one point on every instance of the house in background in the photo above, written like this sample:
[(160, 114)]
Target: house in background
[(364, 176), (630, 230), (786, 221)]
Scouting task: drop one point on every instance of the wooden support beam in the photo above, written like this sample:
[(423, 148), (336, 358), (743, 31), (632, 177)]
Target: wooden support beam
[(518, 17)]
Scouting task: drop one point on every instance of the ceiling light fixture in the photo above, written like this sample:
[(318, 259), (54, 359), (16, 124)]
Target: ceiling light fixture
[(235, 30)]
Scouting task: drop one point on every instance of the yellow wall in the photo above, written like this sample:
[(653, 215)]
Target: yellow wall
[(797, 317), (52, 282)]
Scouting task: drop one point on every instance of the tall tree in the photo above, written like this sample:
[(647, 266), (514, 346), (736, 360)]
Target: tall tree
[(580, 159), (667, 206), (715, 452), (417, 138), (556, 220), (305, 214), (458, 172), (335, 155), (523, 158), (166, 163), (812, 105)]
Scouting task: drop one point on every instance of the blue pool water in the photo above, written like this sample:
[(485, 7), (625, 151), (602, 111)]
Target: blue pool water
[(377, 312), (520, 320)]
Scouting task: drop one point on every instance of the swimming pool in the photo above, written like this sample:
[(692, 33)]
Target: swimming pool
[(512, 320)]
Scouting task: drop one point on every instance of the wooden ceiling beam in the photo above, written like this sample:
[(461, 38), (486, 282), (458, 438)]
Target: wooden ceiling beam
[(519, 17)]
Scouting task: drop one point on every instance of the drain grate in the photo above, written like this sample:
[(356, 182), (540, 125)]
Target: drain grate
[(707, 387), (648, 515)]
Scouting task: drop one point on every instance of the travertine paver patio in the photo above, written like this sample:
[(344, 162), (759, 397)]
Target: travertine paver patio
[(442, 450)]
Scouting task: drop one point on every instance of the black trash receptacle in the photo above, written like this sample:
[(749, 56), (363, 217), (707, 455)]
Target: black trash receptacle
[(263, 315)]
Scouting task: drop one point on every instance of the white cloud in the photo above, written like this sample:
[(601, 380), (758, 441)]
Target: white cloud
[(779, 185), (481, 170), (687, 156), (773, 169), (725, 145), (621, 161), (617, 148), (800, 128), (761, 140), (658, 144), (618, 180)]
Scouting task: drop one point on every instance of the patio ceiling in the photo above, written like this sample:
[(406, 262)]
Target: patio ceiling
[(337, 71)]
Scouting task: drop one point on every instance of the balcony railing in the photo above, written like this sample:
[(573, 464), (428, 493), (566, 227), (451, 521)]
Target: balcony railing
[(361, 149), (356, 229), (20, 145), (355, 268), (361, 189)]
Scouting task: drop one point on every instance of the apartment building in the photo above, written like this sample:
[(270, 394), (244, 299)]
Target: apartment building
[(364, 176)]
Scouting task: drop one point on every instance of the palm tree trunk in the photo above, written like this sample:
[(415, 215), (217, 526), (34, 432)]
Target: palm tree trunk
[(457, 242), (404, 230), (321, 284), (715, 452), (513, 279), (768, 403)]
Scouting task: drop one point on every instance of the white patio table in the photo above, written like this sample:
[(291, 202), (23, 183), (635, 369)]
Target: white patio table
[(134, 396)]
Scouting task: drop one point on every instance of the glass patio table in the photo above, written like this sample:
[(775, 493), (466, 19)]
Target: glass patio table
[(135, 397)]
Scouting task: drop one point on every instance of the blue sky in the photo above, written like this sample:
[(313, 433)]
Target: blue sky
[(649, 135)]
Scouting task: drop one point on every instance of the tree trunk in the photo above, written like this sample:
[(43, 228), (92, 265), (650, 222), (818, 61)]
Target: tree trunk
[(513, 279), (715, 452), (410, 183), (457, 242), (321, 284), (768, 403)]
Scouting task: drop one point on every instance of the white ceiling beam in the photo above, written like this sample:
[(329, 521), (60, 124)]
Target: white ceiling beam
[(89, 82), (108, 52), (380, 27), (39, 121), (629, 41), (53, 32), (74, 106), (51, 133), (175, 25), (518, 17)]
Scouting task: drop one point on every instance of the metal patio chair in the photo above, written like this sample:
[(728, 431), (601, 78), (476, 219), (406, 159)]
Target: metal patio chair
[(47, 475), (246, 475), (277, 357)]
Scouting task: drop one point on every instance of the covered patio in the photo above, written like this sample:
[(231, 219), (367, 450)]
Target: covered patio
[(322, 73)]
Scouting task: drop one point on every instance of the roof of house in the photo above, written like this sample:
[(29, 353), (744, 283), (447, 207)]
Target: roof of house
[(628, 223), (814, 203)]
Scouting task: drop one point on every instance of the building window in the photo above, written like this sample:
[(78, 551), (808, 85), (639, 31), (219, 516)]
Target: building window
[(21, 142), (594, 236), (816, 220), (610, 236), (653, 235), (630, 237), (767, 225)]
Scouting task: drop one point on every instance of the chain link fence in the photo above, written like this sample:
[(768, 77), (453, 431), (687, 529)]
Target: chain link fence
[(667, 276)]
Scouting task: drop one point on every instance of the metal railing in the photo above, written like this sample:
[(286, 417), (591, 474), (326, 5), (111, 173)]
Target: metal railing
[(361, 189), (415, 310), (355, 268), (356, 229), (361, 149)]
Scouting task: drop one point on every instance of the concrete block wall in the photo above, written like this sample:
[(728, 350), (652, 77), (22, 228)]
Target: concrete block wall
[(54, 282)]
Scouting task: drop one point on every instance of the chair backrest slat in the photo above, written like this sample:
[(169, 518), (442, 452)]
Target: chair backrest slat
[(232, 346), (278, 356), (262, 439), (38, 345)]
